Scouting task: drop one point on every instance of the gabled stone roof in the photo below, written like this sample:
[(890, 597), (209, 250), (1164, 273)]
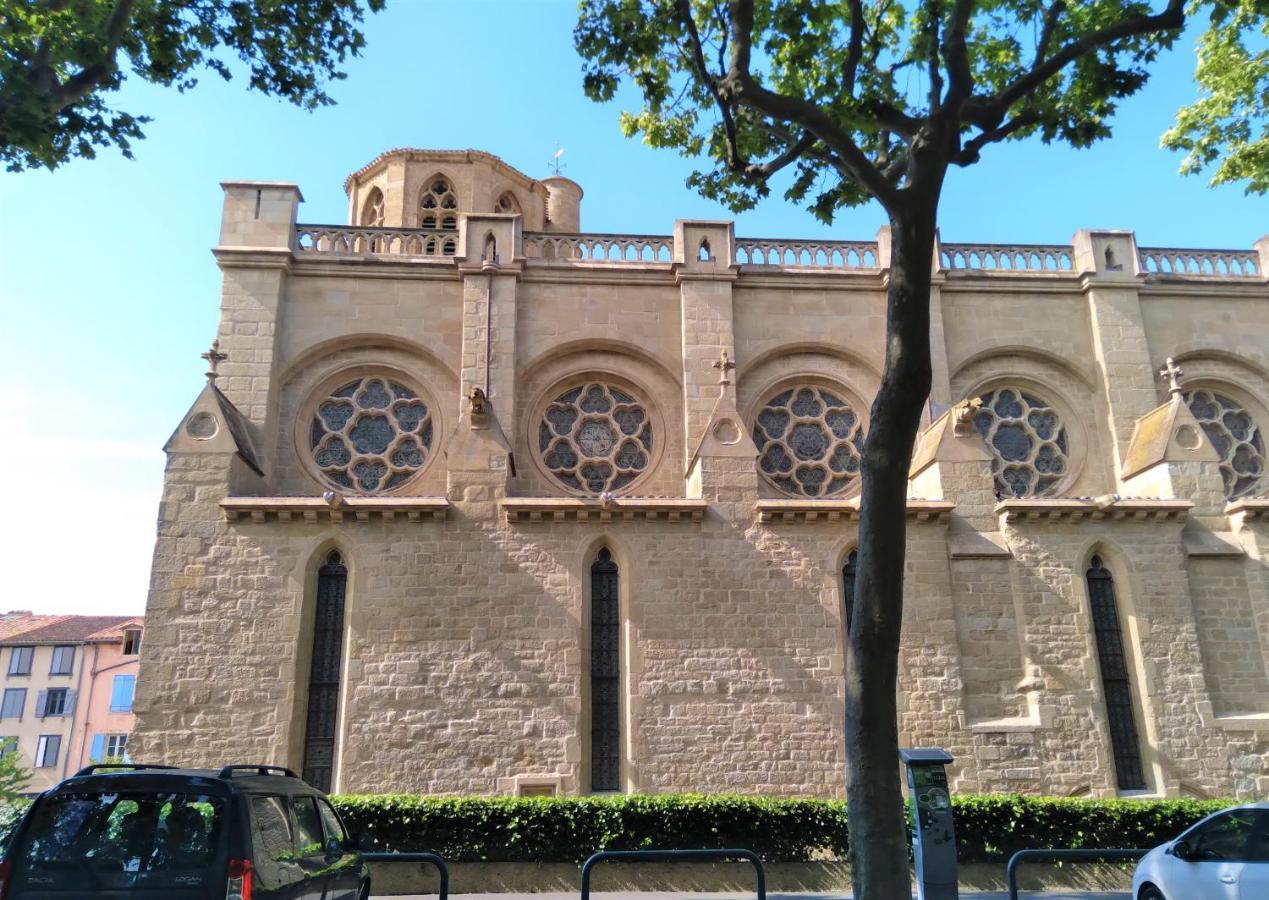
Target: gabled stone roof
[(463, 156)]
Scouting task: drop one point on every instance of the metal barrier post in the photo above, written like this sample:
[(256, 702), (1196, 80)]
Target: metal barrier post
[(1011, 871), (432, 858), (674, 856)]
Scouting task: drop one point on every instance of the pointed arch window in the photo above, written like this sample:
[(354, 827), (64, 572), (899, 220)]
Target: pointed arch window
[(848, 586), (1116, 683), (507, 204), (605, 675), (373, 212), (322, 723)]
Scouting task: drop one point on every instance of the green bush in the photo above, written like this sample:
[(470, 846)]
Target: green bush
[(568, 829)]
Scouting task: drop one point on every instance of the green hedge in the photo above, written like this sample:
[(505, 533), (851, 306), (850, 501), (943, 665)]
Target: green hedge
[(989, 828)]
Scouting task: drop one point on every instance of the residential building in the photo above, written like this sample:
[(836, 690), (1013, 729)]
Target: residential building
[(68, 683), (476, 502)]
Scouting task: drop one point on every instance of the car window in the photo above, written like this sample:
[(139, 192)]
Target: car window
[(121, 841), (272, 840), (1258, 843), (308, 827), (334, 827), (1225, 837)]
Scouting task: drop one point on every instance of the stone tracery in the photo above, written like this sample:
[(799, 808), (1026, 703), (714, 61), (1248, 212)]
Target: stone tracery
[(595, 438), (370, 435), (1236, 437), (809, 440), (1029, 443)]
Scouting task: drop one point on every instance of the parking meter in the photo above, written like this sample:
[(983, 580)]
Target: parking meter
[(933, 835)]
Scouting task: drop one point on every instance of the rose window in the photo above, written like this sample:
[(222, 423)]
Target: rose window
[(1236, 438), (809, 441), (1028, 442), (371, 435), (595, 438)]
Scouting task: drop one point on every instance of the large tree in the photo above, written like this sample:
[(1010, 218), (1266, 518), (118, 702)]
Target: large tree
[(871, 99), (60, 60)]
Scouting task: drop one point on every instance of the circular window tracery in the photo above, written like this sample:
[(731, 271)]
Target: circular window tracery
[(438, 206), (596, 438), (370, 435), (809, 440), (1236, 437), (1029, 443)]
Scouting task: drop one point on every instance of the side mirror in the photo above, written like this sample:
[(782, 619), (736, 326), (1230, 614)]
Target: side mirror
[(1182, 850)]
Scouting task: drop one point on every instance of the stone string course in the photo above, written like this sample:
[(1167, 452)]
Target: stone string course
[(466, 648)]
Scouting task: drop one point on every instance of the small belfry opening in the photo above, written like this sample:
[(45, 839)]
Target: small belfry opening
[(322, 722), (1116, 680), (605, 674)]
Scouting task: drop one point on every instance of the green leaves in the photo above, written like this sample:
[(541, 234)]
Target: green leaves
[(1228, 126), (59, 62)]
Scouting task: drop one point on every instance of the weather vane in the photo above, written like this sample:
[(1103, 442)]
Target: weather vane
[(555, 163)]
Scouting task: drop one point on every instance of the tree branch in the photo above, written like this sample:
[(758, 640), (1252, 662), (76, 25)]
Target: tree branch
[(854, 49), (956, 52), (968, 154), (933, 63), (697, 55), (90, 77)]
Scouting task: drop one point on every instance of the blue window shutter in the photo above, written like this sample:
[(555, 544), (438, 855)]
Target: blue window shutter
[(99, 748), (41, 700), (121, 693), (69, 708)]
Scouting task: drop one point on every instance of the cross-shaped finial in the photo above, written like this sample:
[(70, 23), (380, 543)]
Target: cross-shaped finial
[(214, 358), (1172, 372), (724, 365)]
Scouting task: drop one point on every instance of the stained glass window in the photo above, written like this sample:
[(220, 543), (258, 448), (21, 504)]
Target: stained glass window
[(1236, 437), (595, 438), (809, 440), (324, 672), (1028, 441), (1116, 684), (605, 675), (370, 435)]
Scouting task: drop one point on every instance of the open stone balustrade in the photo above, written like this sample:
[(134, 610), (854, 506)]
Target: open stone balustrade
[(764, 254)]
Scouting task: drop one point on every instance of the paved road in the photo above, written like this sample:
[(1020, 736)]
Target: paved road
[(706, 895)]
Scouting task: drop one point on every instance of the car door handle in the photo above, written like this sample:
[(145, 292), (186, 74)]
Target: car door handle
[(1228, 879)]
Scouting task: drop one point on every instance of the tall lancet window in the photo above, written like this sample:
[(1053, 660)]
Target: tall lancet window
[(605, 675), (1116, 684), (323, 681), (848, 587)]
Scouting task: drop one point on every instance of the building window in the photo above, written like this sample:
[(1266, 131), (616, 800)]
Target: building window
[(808, 441), (605, 675), (507, 204), (595, 438), (20, 660), (324, 673), (1028, 442), (132, 642), (8, 746), (13, 704), (1236, 437), (109, 747), (370, 435), (848, 586), (54, 702), (63, 661), (438, 210), (121, 691), (372, 212), (46, 750), (1116, 685)]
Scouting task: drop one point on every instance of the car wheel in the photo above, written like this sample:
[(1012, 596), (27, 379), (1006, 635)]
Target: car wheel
[(1150, 892)]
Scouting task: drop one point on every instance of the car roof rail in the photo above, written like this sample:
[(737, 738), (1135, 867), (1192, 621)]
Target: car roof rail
[(96, 767), (228, 771)]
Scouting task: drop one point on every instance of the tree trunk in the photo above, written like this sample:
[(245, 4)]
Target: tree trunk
[(878, 843)]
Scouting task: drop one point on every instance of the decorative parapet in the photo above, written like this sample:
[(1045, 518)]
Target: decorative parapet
[(333, 508), (772, 253), (1200, 263), (1250, 508), (594, 509), (1010, 259), (1095, 509), (599, 248), (790, 511), (392, 243)]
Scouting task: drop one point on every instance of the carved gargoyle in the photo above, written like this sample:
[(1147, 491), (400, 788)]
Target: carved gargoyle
[(963, 423), (478, 411)]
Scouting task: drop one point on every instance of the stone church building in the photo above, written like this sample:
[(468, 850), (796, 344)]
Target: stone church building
[(475, 502)]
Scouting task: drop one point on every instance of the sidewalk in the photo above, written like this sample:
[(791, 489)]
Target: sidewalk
[(705, 895)]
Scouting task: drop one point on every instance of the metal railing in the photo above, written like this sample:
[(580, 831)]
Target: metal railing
[(432, 858), (674, 856), (1011, 871)]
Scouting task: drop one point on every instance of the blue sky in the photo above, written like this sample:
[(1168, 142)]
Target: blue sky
[(109, 292)]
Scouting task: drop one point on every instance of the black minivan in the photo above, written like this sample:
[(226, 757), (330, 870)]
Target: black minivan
[(240, 833)]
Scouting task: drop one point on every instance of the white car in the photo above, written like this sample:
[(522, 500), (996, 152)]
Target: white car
[(1223, 857)]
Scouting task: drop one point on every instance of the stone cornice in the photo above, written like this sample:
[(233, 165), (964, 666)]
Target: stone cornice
[(790, 511), (1096, 509), (590, 509), (337, 509), (253, 257), (1251, 508), (577, 272)]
